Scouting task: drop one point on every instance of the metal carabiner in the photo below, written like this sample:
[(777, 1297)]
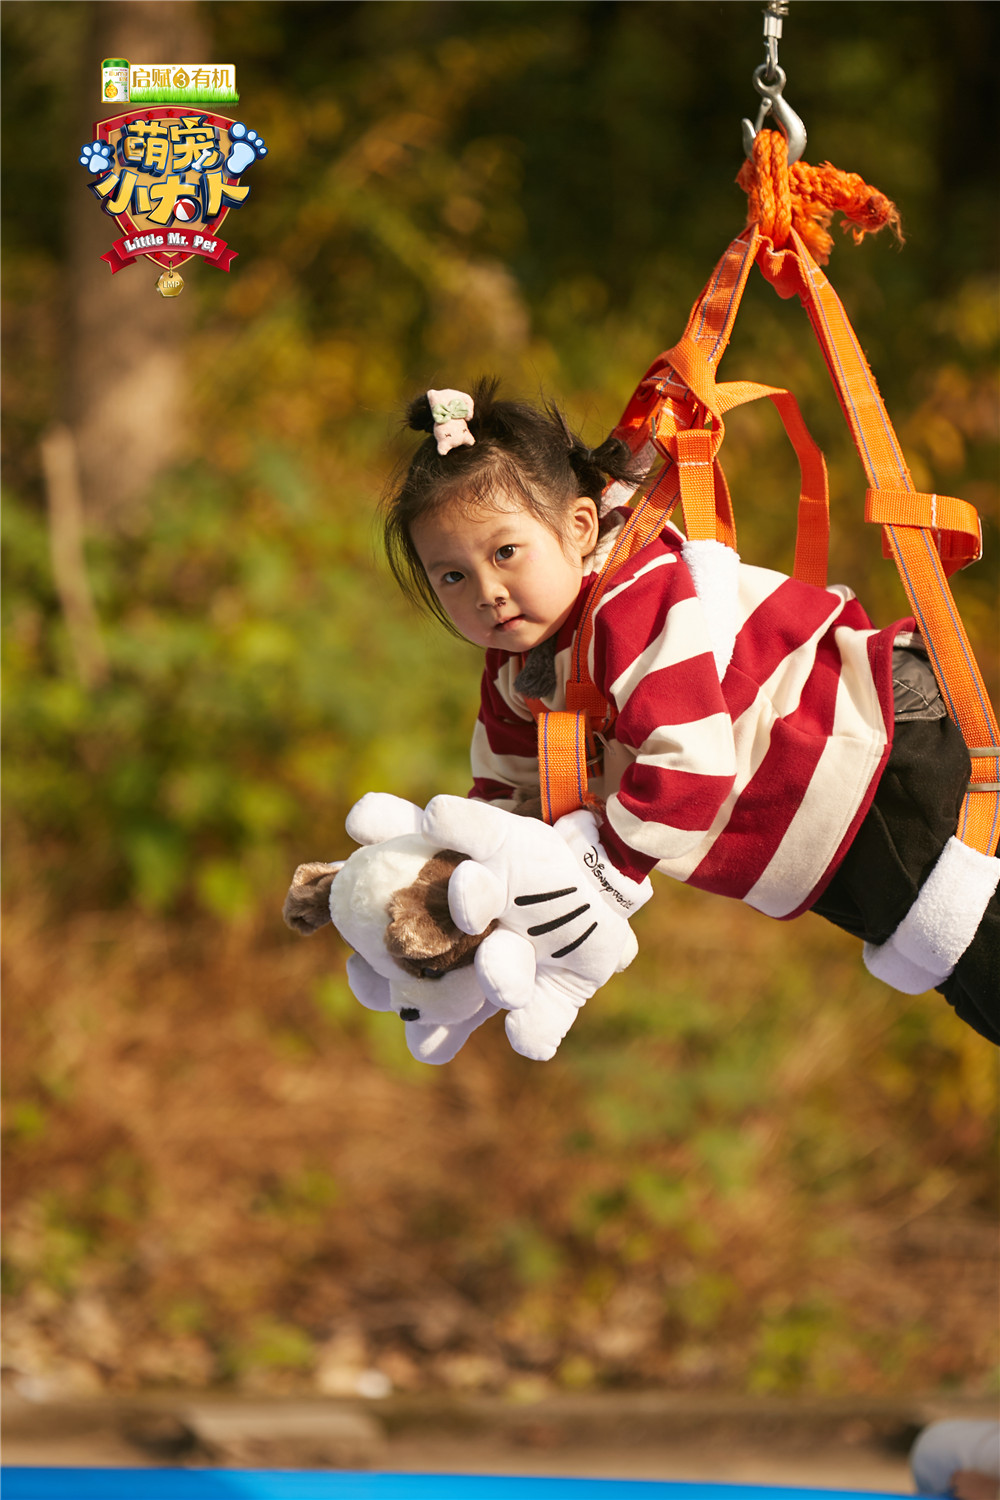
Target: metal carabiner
[(774, 103)]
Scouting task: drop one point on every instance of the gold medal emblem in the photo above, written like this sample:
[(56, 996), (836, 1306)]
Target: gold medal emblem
[(170, 284)]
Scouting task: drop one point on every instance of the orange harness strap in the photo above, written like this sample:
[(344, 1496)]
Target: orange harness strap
[(677, 411), (928, 536), (660, 413), (562, 761)]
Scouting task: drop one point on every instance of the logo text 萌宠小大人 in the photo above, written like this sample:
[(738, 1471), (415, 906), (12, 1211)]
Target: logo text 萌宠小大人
[(169, 176)]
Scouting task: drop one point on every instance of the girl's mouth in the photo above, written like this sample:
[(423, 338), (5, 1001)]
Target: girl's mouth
[(506, 624)]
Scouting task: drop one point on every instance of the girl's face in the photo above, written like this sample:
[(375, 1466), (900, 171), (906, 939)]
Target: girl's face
[(505, 579)]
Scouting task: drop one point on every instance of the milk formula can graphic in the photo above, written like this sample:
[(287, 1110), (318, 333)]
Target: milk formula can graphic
[(114, 80)]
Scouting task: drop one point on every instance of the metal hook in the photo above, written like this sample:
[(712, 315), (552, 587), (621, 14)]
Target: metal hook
[(774, 103)]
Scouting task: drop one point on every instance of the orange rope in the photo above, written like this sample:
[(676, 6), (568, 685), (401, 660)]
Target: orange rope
[(805, 198)]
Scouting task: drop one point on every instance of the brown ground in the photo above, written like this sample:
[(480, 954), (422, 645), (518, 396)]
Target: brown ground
[(222, 1173)]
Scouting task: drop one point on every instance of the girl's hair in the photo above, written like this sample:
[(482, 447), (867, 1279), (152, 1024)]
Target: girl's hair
[(522, 454)]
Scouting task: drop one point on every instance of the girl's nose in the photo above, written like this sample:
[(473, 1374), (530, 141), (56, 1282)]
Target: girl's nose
[(491, 593)]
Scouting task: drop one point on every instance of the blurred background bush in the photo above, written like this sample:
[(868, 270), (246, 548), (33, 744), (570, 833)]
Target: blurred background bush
[(751, 1166)]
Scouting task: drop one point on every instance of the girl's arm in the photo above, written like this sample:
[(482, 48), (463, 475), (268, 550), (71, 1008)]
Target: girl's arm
[(654, 661), (504, 751)]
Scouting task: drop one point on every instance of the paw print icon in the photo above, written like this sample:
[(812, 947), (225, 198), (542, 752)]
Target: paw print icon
[(96, 157), (247, 146)]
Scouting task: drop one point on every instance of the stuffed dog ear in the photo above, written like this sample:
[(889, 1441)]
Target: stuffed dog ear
[(307, 905), (438, 1044), (379, 816), (421, 932)]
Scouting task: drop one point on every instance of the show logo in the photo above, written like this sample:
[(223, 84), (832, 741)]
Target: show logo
[(169, 174)]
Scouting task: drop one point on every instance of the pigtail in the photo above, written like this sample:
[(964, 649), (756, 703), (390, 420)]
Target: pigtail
[(594, 467), (418, 414), (490, 417), (489, 420), (615, 459)]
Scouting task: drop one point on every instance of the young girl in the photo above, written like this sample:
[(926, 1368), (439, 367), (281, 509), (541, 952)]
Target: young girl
[(769, 743)]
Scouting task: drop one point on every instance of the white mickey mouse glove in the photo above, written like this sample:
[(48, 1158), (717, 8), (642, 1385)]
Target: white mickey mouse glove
[(562, 906)]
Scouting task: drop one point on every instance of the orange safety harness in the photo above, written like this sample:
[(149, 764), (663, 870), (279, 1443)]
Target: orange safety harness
[(676, 412)]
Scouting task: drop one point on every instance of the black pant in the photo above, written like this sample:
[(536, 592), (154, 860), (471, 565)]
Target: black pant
[(914, 813)]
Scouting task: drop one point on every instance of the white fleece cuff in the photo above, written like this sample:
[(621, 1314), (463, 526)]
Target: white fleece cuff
[(715, 573), (940, 924)]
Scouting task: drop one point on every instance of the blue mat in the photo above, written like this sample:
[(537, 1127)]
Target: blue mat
[(262, 1484)]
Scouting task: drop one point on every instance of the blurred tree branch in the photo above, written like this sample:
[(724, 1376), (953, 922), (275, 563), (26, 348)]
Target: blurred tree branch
[(69, 567), (125, 391)]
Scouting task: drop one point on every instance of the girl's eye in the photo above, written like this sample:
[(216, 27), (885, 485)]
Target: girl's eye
[(506, 552), (453, 576)]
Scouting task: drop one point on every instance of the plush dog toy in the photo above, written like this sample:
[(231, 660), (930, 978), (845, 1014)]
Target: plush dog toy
[(462, 909)]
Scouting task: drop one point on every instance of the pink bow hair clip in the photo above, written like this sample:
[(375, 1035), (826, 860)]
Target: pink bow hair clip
[(451, 411)]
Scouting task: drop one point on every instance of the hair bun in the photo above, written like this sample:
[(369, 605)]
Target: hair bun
[(611, 454), (418, 414)]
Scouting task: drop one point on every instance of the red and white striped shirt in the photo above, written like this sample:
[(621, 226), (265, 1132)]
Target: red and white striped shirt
[(751, 786)]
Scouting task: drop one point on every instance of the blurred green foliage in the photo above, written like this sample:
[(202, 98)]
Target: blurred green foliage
[(244, 705)]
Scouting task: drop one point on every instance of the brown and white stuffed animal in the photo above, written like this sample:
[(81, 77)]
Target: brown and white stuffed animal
[(462, 909)]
